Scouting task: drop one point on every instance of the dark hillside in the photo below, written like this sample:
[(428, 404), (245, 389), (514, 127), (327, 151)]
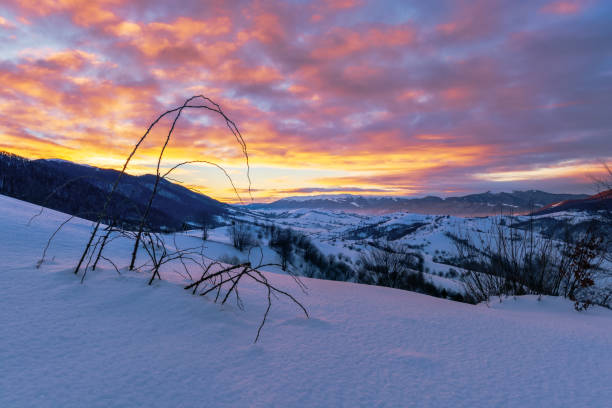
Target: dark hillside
[(81, 190)]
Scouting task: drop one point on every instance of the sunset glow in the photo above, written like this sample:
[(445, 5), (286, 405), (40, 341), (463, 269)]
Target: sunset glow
[(392, 97)]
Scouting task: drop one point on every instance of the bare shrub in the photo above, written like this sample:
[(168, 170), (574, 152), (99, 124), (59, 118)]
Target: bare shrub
[(508, 261), (230, 259), (199, 102), (158, 252), (224, 283), (581, 259), (282, 240), (241, 235), (386, 265), (394, 265), (206, 223)]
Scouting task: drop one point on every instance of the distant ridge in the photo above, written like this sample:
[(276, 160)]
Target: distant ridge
[(597, 202), (484, 204), (84, 189)]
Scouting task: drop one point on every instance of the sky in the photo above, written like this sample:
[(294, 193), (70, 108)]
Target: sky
[(406, 98)]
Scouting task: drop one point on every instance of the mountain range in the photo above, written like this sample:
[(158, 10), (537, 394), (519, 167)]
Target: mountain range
[(484, 204), (81, 190)]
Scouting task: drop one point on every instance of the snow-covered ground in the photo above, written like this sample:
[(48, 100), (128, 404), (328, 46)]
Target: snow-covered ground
[(113, 341), (349, 235)]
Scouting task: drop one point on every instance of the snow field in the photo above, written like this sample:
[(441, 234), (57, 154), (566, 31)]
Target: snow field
[(114, 341)]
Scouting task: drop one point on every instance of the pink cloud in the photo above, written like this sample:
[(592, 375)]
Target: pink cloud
[(324, 85), (564, 7)]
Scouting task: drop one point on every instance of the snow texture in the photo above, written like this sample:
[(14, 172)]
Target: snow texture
[(116, 342)]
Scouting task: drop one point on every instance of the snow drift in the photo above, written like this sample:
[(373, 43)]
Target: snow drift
[(114, 341)]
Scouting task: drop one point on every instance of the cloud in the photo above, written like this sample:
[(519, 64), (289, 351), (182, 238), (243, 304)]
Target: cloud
[(409, 98), (564, 7), (4, 23), (309, 190)]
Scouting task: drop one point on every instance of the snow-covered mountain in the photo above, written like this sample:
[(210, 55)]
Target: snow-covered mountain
[(347, 236), (470, 205)]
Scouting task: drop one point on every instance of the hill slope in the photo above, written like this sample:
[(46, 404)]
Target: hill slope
[(113, 341), (598, 202), (81, 190)]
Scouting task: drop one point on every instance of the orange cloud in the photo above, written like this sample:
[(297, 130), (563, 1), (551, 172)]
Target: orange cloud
[(324, 92), (572, 169), (84, 12), (185, 28), (153, 38), (5, 23), (125, 29), (267, 27), (237, 71)]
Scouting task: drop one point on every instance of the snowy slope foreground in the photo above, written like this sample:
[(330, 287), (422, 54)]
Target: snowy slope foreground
[(115, 342)]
